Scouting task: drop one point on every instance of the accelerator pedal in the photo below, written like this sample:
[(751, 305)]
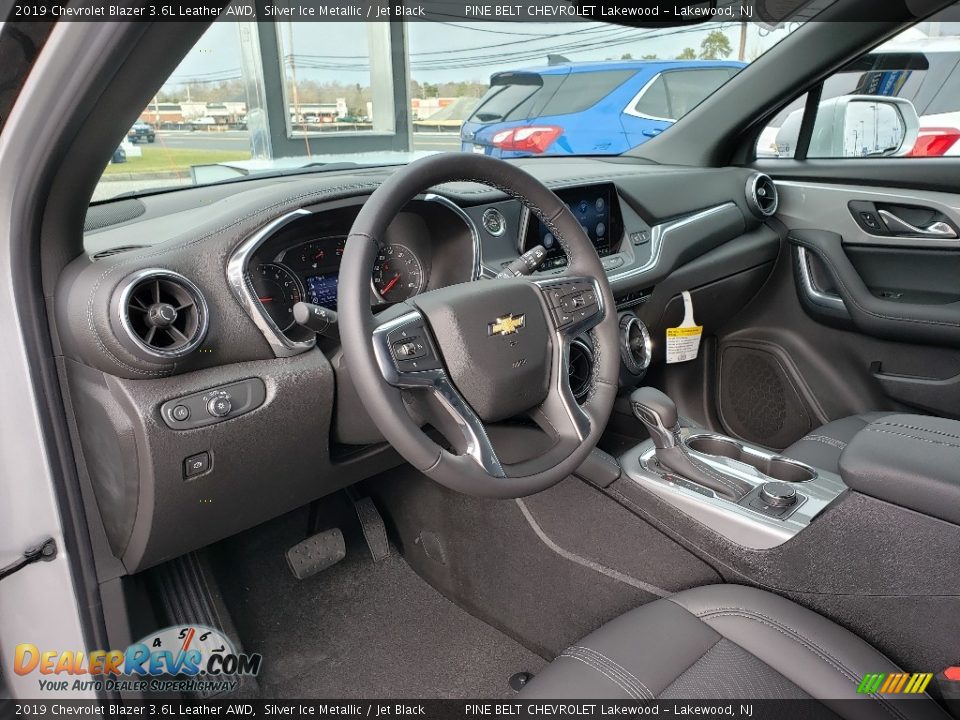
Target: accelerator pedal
[(374, 529), (316, 553)]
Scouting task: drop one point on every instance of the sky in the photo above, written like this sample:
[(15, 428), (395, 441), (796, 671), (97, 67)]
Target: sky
[(454, 52)]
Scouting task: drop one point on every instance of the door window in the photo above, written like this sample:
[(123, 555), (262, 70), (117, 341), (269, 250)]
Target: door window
[(901, 99), (673, 94)]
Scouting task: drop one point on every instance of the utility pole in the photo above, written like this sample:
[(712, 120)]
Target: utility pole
[(743, 42)]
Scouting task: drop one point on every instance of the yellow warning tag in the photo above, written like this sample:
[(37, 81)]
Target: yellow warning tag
[(685, 332), (683, 342)]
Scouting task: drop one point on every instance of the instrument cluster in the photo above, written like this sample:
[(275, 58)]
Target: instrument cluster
[(310, 271), (296, 258)]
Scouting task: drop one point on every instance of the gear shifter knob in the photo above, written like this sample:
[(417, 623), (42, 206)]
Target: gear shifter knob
[(658, 413)]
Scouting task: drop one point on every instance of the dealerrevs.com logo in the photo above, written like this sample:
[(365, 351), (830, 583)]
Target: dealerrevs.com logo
[(192, 658)]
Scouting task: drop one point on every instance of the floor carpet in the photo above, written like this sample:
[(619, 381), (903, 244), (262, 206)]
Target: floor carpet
[(358, 629)]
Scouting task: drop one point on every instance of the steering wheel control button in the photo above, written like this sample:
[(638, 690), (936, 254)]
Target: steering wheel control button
[(214, 405), (555, 294), (411, 349), (564, 320), (572, 302), (778, 494), (196, 465)]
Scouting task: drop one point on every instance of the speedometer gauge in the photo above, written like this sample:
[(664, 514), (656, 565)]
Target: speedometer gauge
[(278, 290), (397, 273)]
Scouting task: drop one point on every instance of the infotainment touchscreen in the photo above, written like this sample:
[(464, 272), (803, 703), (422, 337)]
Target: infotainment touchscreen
[(596, 209)]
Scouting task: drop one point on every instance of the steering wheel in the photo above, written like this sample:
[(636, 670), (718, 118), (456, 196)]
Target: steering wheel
[(480, 352)]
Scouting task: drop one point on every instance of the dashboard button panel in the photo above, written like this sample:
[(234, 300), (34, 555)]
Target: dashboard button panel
[(220, 406), (214, 405), (196, 465)]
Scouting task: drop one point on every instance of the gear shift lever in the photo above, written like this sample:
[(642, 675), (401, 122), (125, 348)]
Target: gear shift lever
[(659, 414)]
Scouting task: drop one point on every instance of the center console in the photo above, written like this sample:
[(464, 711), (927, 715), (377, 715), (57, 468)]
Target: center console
[(811, 535), (749, 495)]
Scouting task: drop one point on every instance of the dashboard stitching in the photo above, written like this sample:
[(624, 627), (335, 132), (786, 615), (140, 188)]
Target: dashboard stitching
[(91, 324)]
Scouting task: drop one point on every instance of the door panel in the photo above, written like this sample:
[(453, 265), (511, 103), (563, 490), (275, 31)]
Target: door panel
[(879, 320), (826, 206), (899, 287)]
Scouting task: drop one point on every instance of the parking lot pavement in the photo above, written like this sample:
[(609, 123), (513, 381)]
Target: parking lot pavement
[(239, 140), (436, 141), (202, 140)]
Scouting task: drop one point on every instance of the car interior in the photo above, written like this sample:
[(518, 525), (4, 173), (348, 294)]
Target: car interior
[(410, 431)]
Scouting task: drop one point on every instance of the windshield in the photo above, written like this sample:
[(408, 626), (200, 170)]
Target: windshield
[(256, 98)]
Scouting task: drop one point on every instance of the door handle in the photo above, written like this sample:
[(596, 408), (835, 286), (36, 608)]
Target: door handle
[(821, 298), (939, 230)]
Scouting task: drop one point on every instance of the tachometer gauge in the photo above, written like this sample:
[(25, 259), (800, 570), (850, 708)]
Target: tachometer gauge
[(397, 273), (278, 290), (323, 253)]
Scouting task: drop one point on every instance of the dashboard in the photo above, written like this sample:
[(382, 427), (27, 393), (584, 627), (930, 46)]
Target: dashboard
[(267, 409)]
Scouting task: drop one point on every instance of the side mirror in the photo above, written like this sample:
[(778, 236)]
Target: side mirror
[(864, 126), (855, 126)]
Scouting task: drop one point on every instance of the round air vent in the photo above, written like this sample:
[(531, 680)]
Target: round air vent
[(161, 314), (636, 346), (762, 195), (580, 369)]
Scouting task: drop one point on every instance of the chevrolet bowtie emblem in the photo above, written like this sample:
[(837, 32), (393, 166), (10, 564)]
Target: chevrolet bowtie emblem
[(506, 325)]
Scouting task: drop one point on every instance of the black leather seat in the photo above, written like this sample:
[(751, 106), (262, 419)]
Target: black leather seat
[(726, 642), (823, 446)]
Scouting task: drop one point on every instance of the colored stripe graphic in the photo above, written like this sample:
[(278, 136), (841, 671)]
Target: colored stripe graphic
[(894, 683)]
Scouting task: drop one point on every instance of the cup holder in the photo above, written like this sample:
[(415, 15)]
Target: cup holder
[(715, 445), (780, 468), (773, 466)]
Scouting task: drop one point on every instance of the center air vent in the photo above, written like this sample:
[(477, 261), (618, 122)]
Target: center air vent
[(580, 369), (762, 195), (161, 314)]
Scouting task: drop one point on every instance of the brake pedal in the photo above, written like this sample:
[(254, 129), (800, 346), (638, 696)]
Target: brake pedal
[(374, 529), (316, 553)]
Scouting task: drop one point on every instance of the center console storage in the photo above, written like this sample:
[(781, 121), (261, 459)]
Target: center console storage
[(908, 460)]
